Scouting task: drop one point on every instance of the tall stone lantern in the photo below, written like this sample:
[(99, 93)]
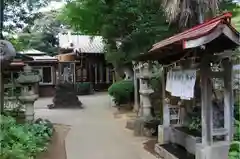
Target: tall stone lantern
[(145, 91), (28, 79)]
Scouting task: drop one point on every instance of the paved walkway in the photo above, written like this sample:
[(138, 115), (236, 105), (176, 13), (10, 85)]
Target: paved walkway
[(94, 131)]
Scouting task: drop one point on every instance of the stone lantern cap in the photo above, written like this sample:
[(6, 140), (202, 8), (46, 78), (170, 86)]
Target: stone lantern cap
[(28, 76), (7, 52)]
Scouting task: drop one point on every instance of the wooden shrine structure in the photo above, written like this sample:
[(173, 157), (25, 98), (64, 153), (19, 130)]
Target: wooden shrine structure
[(199, 48), (82, 58)]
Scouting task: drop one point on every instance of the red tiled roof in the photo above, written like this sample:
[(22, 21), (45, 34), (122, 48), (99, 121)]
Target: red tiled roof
[(195, 32)]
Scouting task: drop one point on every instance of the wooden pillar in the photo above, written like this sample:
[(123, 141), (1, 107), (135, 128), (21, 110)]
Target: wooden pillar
[(81, 73), (206, 103), (101, 72), (59, 72), (136, 92), (74, 72), (228, 99), (95, 72), (166, 114), (90, 71), (107, 75), (166, 117)]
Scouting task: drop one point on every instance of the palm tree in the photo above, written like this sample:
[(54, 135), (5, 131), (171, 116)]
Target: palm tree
[(188, 13)]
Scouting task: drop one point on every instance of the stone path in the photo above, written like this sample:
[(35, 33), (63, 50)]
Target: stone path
[(94, 131)]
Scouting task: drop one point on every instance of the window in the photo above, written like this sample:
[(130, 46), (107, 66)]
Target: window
[(46, 74)]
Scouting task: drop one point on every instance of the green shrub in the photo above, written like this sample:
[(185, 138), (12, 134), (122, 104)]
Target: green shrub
[(235, 146), (156, 83), (23, 141), (234, 150), (237, 109), (122, 92), (83, 88)]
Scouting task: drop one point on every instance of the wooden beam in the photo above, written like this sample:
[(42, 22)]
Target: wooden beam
[(206, 103), (228, 99)]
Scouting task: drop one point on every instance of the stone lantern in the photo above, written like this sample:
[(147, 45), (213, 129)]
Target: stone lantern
[(7, 53), (28, 79), (145, 91)]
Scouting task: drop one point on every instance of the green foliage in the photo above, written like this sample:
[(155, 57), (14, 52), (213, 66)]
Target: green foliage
[(156, 82), (35, 30), (122, 92), (235, 146), (186, 13), (234, 150), (237, 109), (41, 41), (234, 8), (41, 34), (195, 123), (135, 24), (23, 141), (20, 12)]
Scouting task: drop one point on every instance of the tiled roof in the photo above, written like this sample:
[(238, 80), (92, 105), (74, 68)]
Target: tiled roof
[(192, 33), (23, 57), (207, 33), (44, 58), (32, 52), (87, 44), (37, 55)]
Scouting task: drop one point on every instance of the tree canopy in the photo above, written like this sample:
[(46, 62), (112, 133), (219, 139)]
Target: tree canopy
[(41, 35), (187, 13), (19, 13), (128, 27), (19, 16)]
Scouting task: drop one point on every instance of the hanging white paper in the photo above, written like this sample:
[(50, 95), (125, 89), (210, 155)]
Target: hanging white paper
[(181, 83)]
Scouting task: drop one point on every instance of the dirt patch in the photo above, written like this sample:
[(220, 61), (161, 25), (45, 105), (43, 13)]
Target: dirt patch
[(124, 112), (150, 146), (56, 149)]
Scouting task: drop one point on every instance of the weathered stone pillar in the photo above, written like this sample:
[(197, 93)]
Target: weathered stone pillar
[(145, 104), (136, 97), (145, 91)]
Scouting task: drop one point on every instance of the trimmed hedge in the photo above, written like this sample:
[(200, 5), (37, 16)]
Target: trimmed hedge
[(83, 88), (122, 92)]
